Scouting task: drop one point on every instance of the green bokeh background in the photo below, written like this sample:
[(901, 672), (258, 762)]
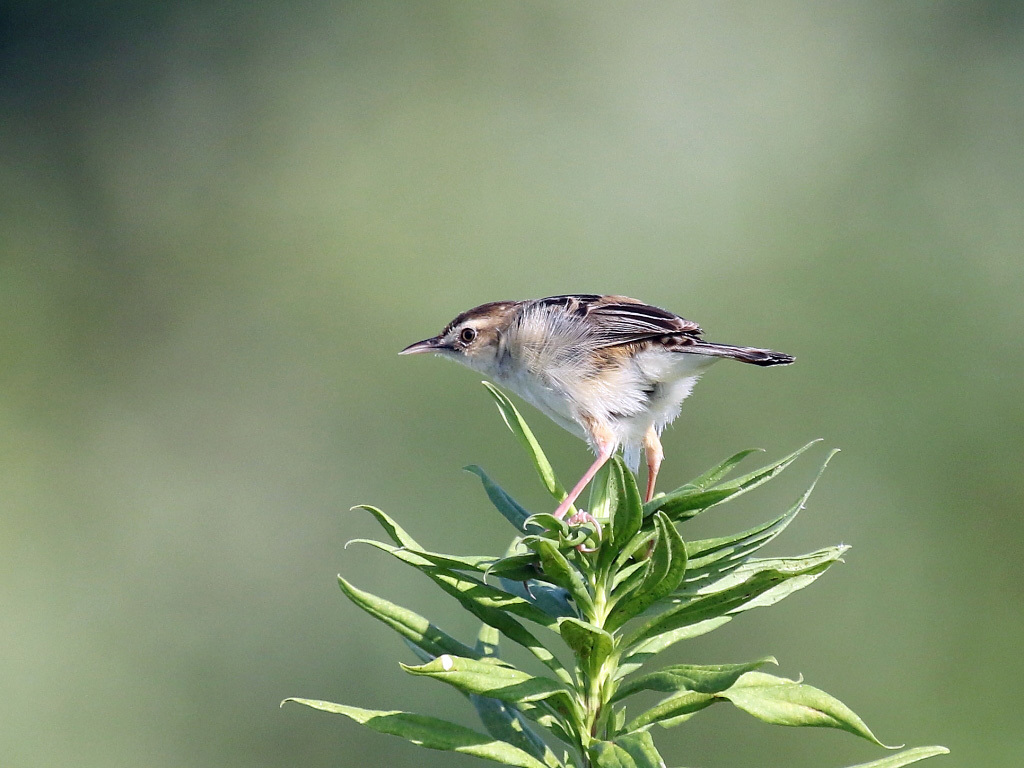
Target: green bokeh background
[(220, 221)]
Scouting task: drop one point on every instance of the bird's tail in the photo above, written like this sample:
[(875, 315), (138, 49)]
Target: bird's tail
[(743, 354)]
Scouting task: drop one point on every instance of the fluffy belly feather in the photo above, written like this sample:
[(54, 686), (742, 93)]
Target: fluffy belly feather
[(644, 391)]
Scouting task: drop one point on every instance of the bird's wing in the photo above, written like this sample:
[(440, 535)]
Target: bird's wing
[(617, 320)]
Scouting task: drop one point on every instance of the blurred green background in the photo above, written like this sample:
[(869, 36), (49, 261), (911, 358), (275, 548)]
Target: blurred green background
[(220, 221)]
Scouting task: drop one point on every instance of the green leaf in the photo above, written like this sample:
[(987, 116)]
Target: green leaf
[(505, 722), (904, 758), (490, 606), (780, 701), (431, 732), (481, 564), (477, 590), (635, 750), (563, 573), (592, 645), (545, 521), (673, 710), (722, 603), (494, 707), (640, 746), (627, 507), (409, 624), (639, 654), (393, 529), (802, 565), (629, 576), (511, 509), (701, 678), (520, 567), (625, 511), (552, 600), (517, 424), (500, 681), (666, 569), (607, 754), (686, 502), (712, 559), (600, 501), (719, 471), (487, 640)]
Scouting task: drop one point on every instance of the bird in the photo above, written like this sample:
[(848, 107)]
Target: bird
[(611, 370)]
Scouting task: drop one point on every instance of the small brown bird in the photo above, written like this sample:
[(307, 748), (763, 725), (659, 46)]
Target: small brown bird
[(610, 369)]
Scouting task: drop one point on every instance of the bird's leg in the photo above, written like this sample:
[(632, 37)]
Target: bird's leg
[(652, 447), (605, 448)]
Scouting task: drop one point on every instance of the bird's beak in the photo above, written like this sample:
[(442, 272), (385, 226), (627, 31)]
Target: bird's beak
[(434, 344)]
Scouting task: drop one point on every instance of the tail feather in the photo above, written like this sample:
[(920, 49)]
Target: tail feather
[(751, 355)]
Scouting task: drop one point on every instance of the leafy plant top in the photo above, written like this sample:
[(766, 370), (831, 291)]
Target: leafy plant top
[(595, 604)]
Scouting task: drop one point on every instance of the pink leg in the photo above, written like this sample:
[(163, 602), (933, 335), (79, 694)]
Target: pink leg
[(604, 453), (655, 454)]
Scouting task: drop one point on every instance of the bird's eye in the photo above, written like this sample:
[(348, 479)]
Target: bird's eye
[(466, 335)]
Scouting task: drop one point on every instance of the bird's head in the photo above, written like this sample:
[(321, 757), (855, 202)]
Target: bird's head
[(473, 338)]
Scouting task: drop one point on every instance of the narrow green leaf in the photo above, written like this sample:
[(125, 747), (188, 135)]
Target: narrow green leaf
[(431, 732), (904, 758), (517, 424), (667, 567), (487, 640), (397, 533), (719, 471), (642, 652), (506, 723), (711, 559), (629, 577), (409, 624), (511, 509), (500, 681), (607, 754), (518, 567), (688, 502), (673, 710), (712, 607), (780, 701), (592, 645), (637, 548), (727, 601), (563, 573), (490, 606), (480, 564), (626, 505), (546, 521), (801, 565), (620, 720), (600, 501), (474, 588), (701, 678), (552, 600), (503, 721), (471, 563), (635, 750), (640, 747)]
